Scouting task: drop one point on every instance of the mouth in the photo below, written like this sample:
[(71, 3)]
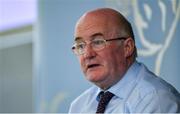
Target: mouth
[(91, 66)]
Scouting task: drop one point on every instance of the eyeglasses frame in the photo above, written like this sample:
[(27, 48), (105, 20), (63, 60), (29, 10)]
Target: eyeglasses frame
[(106, 40)]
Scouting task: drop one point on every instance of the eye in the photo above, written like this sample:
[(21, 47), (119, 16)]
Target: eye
[(80, 46), (98, 42)]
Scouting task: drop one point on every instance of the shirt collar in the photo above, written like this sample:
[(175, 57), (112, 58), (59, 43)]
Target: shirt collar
[(125, 85)]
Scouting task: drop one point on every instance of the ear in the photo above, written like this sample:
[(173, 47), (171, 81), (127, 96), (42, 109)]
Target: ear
[(129, 47)]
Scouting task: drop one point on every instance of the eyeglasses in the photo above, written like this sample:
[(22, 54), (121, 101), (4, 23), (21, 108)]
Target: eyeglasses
[(96, 44)]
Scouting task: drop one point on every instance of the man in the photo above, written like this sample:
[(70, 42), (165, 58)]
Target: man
[(105, 46)]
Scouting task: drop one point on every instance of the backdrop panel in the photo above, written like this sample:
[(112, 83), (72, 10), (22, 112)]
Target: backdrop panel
[(58, 78)]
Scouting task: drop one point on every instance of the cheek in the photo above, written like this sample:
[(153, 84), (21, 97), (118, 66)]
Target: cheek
[(108, 62), (82, 63), (114, 61)]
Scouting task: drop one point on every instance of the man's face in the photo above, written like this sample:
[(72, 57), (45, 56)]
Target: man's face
[(106, 66)]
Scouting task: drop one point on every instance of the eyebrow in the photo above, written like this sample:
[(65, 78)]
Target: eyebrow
[(97, 34), (92, 36), (77, 38)]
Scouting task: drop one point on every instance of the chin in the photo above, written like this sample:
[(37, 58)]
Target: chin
[(91, 77), (94, 77)]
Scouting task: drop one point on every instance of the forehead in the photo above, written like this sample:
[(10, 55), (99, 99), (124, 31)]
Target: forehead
[(89, 26), (92, 37)]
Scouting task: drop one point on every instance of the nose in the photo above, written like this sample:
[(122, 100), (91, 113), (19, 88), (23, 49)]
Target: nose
[(89, 52)]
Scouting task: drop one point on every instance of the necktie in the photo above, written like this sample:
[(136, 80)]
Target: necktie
[(104, 100)]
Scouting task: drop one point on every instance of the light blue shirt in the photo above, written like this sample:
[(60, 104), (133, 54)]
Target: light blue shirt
[(138, 91)]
